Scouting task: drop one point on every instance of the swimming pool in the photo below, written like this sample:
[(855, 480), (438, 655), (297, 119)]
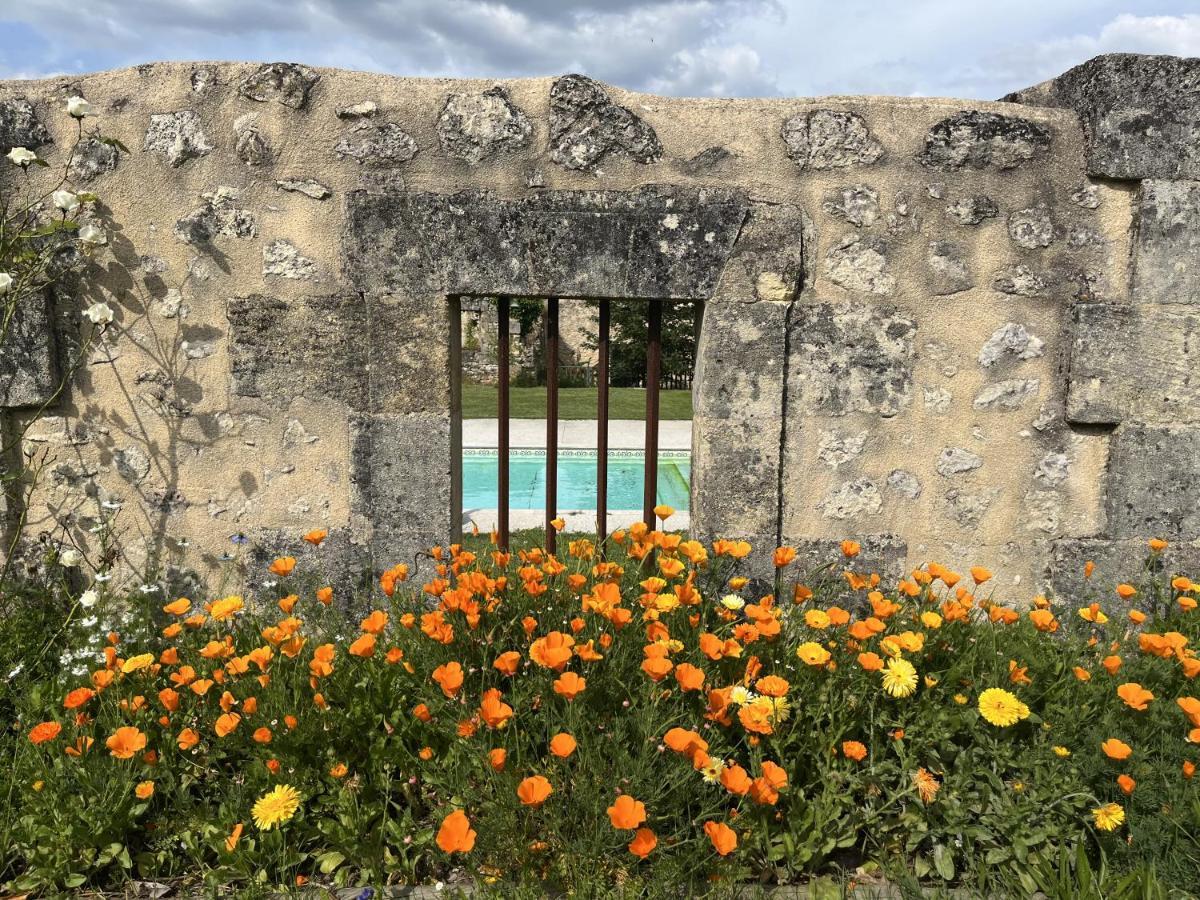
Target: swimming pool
[(576, 479)]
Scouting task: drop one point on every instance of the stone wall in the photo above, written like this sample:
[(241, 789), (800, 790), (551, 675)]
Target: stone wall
[(953, 330)]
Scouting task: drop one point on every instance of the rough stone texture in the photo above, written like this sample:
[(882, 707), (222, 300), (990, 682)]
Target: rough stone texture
[(92, 159), (972, 210), (981, 140), (383, 144), (179, 135), (286, 83), (586, 126), (1031, 228), (860, 264), (1008, 394), (306, 186), (653, 243), (948, 268), (847, 359), (881, 553), (282, 259), (1166, 252), (250, 143), (1012, 339), (957, 460), (858, 204), (830, 139), (28, 370), (219, 216), (20, 126), (1134, 362), (1140, 113), (1154, 482), (315, 347), (474, 127)]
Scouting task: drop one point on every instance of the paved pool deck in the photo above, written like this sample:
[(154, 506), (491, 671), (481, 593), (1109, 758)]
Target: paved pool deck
[(576, 434)]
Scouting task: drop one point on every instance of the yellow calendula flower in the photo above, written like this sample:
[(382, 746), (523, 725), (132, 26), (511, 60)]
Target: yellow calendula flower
[(812, 653), (1109, 817), (134, 663), (1001, 708), (1062, 752), (276, 806), (781, 709), (960, 699), (899, 677)]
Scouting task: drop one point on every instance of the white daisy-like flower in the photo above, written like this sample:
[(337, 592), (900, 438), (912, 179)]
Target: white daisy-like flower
[(733, 602)]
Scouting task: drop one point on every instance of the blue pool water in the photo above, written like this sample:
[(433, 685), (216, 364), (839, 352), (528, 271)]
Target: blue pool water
[(576, 479)]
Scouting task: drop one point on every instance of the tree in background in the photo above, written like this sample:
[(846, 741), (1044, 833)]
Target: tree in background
[(627, 360)]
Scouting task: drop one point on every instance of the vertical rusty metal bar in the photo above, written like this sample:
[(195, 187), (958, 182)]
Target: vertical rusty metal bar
[(502, 444), (551, 421), (456, 459), (602, 422), (653, 374)]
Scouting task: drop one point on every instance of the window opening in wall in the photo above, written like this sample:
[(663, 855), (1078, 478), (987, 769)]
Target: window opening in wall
[(571, 408)]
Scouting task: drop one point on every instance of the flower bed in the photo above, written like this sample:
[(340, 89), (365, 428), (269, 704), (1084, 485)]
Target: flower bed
[(645, 720)]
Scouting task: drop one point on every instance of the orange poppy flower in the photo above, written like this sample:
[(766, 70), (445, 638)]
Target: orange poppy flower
[(316, 536), (455, 834), (775, 775), (226, 724), (126, 742), (763, 792), (552, 651), (325, 595), (569, 685), (497, 758), (736, 780), (144, 790), (421, 711), (1126, 591), (980, 574), (690, 677), (784, 556), (1191, 708), (850, 549), (724, 839), (507, 663), (871, 662), (375, 623), (231, 842), (494, 711), (644, 841), (1111, 664), (772, 686), (1134, 695), (188, 738), (562, 745), (426, 753), (1126, 784), (1116, 749), (363, 647), (657, 667), (534, 790), (1189, 768), (282, 566), (262, 735), (169, 698), (450, 677), (178, 607), (626, 812)]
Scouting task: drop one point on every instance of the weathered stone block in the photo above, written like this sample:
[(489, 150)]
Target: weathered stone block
[(20, 126), (1154, 482), (400, 479), (651, 243), (286, 83), (92, 159), (382, 144), (847, 358), (314, 347), (1166, 254), (983, 140), (474, 127), (177, 135), (410, 354), (1135, 362), (740, 361), (769, 258), (586, 126), (28, 370), (1140, 113), (830, 139)]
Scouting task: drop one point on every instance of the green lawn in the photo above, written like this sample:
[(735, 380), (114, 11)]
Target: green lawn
[(479, 402)]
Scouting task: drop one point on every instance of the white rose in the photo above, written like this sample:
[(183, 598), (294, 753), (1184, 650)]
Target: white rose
[(90, 234), (70, 558), (78, 107), (6, 281), (67, 201), (88, 599), (19, 156), (99, 313)]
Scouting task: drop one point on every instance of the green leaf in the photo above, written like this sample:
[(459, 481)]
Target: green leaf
[(943, 861), (329, 861)]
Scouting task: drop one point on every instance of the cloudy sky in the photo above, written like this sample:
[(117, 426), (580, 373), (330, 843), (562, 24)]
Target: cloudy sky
[(957, 48)]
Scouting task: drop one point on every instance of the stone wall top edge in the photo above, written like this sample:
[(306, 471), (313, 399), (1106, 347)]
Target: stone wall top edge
[(109, 77)]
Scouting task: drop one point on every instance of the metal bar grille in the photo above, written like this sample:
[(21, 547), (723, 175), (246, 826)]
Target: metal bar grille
[(502, 412), (551, 421)]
